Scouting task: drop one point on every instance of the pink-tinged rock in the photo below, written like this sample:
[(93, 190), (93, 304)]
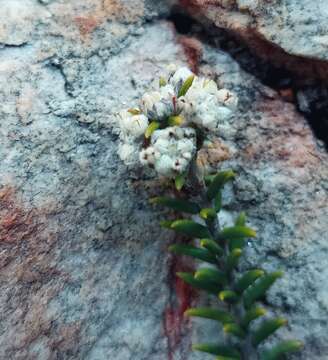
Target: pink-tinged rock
[(289, 33)]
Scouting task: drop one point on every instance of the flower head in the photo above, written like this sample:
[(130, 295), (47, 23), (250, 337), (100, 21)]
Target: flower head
[(171, 150), (181, 102)]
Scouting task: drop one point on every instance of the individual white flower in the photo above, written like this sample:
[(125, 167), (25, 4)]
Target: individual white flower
[(179, 77), (171, 150), (180, 165), (158, 105), (148, 155), (131, 124)]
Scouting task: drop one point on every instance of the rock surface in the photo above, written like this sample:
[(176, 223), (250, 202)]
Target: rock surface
[(290, 33), (84, 271)]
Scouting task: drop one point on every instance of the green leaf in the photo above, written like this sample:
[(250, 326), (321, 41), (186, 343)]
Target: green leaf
[(218, 182), (221, 350), (191, 228), (228, 296), (208, 214), (236, 236), (177, 204), (134, 111), (283, 348), (241, 219), (180, 181), (201, 285), (211, 275), (236, 244), (209, 313), (225, 358), (186, 86), (251, 315), (176, 120), (208, 179), (267, 328), (166, 223), (237, 232), (197, 253), (259, 288), (212, 246), (154, 125), (162, 81), (232, 259), (218, 202), (248, 279), (234, 329)]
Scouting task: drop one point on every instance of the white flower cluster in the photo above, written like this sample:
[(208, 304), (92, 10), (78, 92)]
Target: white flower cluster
[(196, 101), (205, 105), (171, 150)]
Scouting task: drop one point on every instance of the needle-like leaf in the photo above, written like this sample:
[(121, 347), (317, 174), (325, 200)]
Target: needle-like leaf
[(209, 178), (189, 279), (211, 275), (259, 288), (177, 204), (248, 279), (283, 348), (267, 328), (186, 86), (221, 350), (241, 219), (251, 315), (191, 228), (154, 125), (215, 314), (234, 329), (208, 214), (218, 202), (237, 232), (218, 181), (179, 181), (166, 223), (212, 246), (195, 252), (232, 259), (228, 296)]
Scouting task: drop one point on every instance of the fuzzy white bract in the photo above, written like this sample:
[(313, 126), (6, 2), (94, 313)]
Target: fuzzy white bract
[(171, 149), (158, 105), (132, 125), (177, 78)]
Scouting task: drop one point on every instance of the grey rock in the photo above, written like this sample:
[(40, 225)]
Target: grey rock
[(84, 269), (291, 33)]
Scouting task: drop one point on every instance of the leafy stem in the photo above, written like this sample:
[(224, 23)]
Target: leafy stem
[(239, 294)]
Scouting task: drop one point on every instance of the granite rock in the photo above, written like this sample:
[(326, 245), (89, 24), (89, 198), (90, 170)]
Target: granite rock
[(84, 268), (290, 33)]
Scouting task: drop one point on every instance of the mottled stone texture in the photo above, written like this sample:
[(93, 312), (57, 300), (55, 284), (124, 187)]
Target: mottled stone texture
[(290, 33), (84, 272)]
